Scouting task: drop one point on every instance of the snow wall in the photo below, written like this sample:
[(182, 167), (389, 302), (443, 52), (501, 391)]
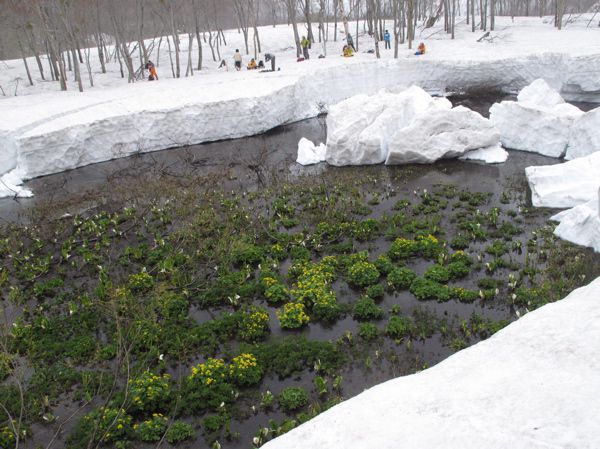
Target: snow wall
[(532, 385), (71, 130)]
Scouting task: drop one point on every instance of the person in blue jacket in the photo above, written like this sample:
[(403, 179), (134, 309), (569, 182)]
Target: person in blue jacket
[(387, 39)]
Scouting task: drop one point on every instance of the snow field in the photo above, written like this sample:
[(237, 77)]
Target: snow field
[(532, 386), (45, 133)]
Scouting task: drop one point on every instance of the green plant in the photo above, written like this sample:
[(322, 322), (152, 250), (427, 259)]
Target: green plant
[(457, 270), (213, 423), (254, 325), (140, 283), (368, 331), (376, 291), (424, 289), (113, 425), (463, 295), (150, 392), (498, 248), (437, 273), (292, 398), (292, 315), (399, 327), (365, 309), (401, 278), (276, 293), (245, 370), (384, 264), (267, 399), (153, 429), (180, 431), (321, 385), (363, 274), (401, 249)]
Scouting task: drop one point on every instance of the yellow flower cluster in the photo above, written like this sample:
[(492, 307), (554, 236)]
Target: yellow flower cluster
[(269, 281), (254, 325), (430, 237), (242, 362), (212, 371), (149, 388), (293, 315)]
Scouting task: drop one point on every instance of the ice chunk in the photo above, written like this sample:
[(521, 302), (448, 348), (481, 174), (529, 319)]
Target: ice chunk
[(490, 155), (540, 94), (441, 133), (580, 225), (565, 185), (10, 185), (539, 122), (359, 129), (403, 128), (308, 153), (585, 135)]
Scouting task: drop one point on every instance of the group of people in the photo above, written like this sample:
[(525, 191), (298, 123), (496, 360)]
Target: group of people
[(348, 51), (252, 65)]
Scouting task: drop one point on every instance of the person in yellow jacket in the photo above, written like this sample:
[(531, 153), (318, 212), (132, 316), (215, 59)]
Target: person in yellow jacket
[(252, 64), (305, 43), (348, 53), (420, 49)]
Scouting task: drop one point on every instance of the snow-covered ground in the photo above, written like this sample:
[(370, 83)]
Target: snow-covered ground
[(45, 131), (533, 385)]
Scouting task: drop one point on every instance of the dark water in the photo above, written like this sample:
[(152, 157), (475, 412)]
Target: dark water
[(248, 164)]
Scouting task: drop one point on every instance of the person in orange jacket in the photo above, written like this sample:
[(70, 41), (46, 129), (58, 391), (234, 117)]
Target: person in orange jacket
[(152, 69), (420, 49)]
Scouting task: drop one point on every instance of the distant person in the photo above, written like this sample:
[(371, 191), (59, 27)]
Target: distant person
[(347, 51), (252, 64), (305, 43), (237, 58), (152, 69), (420, 49), (350, 42), (270, 57), (387, 39)]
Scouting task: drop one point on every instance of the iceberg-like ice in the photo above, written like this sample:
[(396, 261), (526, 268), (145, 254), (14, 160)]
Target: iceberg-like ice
[(10, 185), (580, 225), (309, 153), (565, 185), (409, 127), (540, 121), (585, 135), (441, 133)]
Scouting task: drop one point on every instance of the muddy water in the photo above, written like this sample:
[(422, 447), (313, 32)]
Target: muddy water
[(250, 163)]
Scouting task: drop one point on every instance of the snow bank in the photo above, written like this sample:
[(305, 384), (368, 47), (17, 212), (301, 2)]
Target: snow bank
[(540, 121), (565, 185), (584, 138), (580, 225), (409, 127), (490, 155), (56, 131), (120, 122), (308, 153), (530, 386)]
